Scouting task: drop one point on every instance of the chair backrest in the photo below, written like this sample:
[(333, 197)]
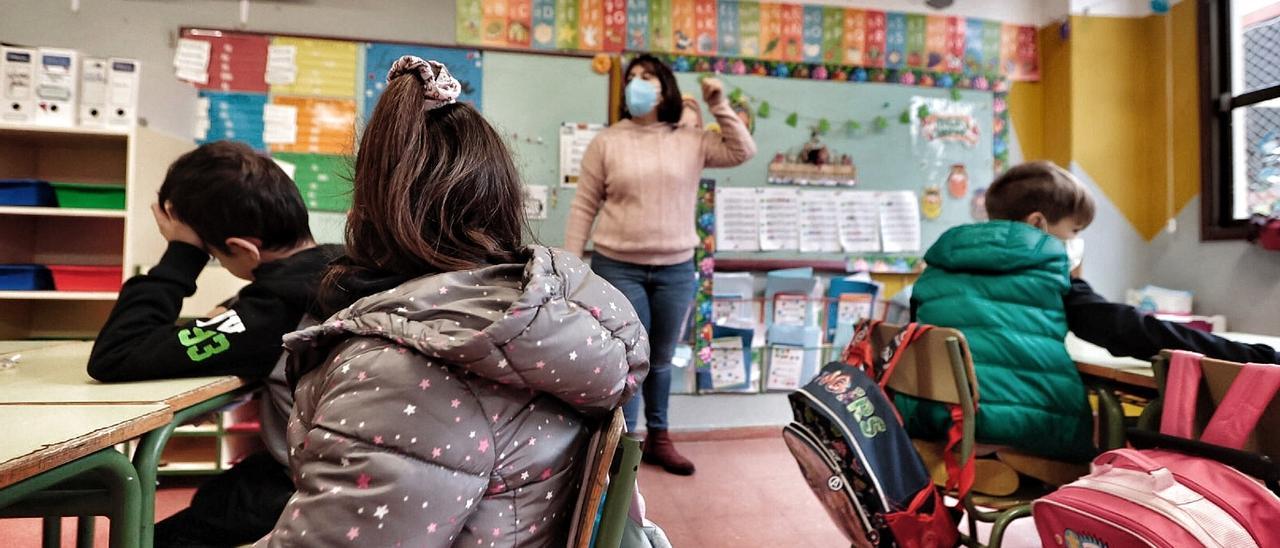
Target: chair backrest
[(927, 368), (600, 452), (1217, 378)]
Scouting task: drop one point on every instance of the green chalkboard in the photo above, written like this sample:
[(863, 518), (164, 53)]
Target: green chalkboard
[(885, 159), (527, 97)]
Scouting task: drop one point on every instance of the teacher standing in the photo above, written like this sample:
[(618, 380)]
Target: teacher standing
[(640, 177)]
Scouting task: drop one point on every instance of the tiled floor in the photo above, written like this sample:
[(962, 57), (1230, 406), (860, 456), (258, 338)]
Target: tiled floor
[(746, 494)]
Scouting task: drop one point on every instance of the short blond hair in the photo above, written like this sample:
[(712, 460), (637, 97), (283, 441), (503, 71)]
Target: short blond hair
[(1039, 187)]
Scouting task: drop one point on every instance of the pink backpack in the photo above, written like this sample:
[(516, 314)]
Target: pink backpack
[(1163, 498)]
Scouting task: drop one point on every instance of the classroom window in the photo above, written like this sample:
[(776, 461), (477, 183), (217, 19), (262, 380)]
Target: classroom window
[(1240, 59)]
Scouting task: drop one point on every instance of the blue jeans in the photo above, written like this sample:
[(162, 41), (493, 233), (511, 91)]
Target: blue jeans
[(662, 297)]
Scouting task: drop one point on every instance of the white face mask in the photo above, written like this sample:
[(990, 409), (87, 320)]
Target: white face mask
[(1075, 252)]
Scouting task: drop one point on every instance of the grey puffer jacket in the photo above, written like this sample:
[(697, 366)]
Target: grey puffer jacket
[(449, 410)]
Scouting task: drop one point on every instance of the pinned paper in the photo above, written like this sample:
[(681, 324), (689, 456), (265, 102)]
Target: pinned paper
[(779, 209), (282, 64), (289, 168), (899, 222), (279, 124), (737, 219), (728, 362), (202, 118), (191, 60), (574, 139), (786, 365), (819, 222), (535, 202), (791, 310), (858, 222)]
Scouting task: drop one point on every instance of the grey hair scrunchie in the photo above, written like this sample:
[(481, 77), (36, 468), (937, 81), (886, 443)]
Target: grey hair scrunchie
[(438, 86)]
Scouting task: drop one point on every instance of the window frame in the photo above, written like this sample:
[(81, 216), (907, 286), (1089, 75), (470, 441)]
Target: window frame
[(1218, 104)]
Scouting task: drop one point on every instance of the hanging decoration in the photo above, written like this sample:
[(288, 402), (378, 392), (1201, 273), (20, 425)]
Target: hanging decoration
[(816, 36), (812, 164), (704, 257), (978, 205), (958, 181), (931, 202)]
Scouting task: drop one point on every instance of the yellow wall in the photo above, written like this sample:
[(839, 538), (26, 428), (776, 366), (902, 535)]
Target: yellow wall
[(1101, 102)]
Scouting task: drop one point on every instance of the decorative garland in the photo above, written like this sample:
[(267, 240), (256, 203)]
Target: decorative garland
[(844, 73)]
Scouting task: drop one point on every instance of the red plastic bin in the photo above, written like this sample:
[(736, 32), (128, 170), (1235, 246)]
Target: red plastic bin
[(86, 278)]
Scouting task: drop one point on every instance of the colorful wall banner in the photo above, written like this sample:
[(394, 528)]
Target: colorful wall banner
[(748, 30), (638, 25)]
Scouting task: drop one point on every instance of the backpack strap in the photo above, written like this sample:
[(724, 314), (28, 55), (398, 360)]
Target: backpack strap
[(1238, 413), (891, 354), (859, 351), (1178, 416), (959, 477)]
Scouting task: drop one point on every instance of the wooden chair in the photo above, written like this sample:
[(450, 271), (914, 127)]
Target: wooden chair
[(938, 367), (1260, 457), (611, 467)]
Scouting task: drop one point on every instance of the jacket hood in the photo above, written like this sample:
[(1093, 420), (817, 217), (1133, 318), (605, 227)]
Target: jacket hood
[(998, 246), (547, 324)]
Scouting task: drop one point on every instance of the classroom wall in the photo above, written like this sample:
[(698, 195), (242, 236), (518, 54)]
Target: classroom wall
[(147, 30)]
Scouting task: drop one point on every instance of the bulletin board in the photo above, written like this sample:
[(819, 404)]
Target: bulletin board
[(326, 87), (886, 159)]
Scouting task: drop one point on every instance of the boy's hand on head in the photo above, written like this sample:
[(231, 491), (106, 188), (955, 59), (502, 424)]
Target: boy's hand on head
[(173, 229), (712, 90)]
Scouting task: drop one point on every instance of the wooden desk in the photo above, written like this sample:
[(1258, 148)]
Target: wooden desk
[(62, 442), (57, 374), (53, 435), (1094, 361)]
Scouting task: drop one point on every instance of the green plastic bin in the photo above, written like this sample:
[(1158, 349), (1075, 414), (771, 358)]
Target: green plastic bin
[(89, 196)]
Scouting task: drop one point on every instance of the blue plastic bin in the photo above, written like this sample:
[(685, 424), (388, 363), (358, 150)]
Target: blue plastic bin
[(26, 192), (25, 277)]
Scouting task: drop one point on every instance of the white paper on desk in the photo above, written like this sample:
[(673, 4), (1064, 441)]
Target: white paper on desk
[(279, 124), (282, 64), (819, 222), (737, 219), (858, 221), (790, 310), (535, 201), (574, 139), (779, 208), (727, 365), (899, 222), (191, 60), (786, 364)]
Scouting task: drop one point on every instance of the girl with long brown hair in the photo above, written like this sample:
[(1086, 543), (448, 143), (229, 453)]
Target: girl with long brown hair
[(444, 403)]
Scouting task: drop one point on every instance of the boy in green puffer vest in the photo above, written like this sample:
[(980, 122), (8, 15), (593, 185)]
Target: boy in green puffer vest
[(1002, 284)]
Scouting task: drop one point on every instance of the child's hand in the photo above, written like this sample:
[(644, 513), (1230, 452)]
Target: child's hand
[(712, 90), (172, 229)]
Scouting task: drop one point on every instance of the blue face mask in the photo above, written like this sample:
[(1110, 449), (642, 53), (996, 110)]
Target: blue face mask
[(642, 96)]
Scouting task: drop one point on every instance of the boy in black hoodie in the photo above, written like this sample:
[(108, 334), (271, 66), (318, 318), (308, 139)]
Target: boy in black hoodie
[(224, 200)]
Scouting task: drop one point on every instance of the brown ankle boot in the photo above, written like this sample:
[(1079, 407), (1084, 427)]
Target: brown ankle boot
[(659, 450)]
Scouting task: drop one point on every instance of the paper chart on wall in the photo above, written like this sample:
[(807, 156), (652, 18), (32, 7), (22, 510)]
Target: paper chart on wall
[(899, 222), (574, 139), (779, 209), (737, 219), (858, 223), (819, 230), (279, 124), (535, 201), (191, 60), (785, 367), (727, 365), (282, 64)]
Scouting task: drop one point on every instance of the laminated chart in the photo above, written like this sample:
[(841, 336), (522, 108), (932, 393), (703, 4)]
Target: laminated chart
[(237, 62), (323, 179), (324, 126), (312, 67), (464, 64), (234, 116)]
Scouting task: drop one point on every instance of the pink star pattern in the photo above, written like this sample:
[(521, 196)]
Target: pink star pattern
[(444, 291), (540, 364), (435, 453), (484, 446), (353, 533), (431, 528), (361, 376), (363, 481), (455, 403), (425, 384), (377, 440)]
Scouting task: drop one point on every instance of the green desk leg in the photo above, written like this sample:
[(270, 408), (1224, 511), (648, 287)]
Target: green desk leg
[(120, 478), (147, 457)]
